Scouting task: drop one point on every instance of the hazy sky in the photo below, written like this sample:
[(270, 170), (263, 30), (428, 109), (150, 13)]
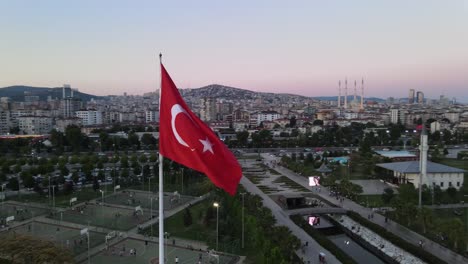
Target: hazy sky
[(304, 47)]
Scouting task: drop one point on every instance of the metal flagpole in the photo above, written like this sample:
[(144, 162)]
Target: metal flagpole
[(161, 194)]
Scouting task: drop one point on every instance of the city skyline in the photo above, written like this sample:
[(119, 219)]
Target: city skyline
[(305, 48)]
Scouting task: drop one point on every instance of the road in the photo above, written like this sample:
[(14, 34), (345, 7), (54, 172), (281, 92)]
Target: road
[(401, 231)]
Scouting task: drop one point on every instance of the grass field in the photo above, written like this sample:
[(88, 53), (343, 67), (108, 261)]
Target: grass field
[(370, 200), (20, 212), (62, 236), (146, 199), (104, 216), (149, 254)]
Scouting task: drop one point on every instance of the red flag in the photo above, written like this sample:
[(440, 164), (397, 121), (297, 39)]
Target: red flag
[(185, 139)]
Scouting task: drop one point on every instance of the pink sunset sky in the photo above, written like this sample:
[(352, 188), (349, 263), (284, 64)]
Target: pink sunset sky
[(301, 47)]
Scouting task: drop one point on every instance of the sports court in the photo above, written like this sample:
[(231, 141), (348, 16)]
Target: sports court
[(144, 254), (109, 217), (146, 200), (63, 236), (19, 212)]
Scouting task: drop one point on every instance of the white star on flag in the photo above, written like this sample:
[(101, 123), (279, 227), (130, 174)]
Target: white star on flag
[(207, 145)]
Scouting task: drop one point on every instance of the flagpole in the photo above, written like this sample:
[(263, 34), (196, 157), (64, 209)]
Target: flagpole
[(161, 193)]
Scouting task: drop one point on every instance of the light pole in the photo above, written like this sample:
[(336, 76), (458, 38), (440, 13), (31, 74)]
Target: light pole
[(3, 196), (53, 196), (102, 199), (243, 193), (466, 214), (217, 223), (151, 211), (142, 177)]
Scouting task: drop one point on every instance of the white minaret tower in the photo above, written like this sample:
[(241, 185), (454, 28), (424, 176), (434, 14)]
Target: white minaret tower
[(339, 93), (346, 94), (423, 147), (362, 94), (355, 92)]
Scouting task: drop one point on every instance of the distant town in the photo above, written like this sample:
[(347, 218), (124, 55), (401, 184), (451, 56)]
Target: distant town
[(340, 179), (34, 111)]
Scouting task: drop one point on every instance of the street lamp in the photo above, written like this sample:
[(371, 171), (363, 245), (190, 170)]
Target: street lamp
[(217, 223), (151, 211), (243, 193), (3, 196), (102, 199)]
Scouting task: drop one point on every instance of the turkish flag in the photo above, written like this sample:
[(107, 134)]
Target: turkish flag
[(185, 139)]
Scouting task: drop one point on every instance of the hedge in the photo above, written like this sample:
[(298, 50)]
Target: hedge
[(396, 240), (322, 240)]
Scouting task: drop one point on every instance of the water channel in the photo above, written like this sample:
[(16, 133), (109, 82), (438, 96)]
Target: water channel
[(348, 245)]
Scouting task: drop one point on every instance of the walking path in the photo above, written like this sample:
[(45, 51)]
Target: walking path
[(310, 252), (401, 231)]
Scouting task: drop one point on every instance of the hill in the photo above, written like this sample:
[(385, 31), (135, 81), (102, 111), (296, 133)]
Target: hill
[(227, 92), (17, 93)]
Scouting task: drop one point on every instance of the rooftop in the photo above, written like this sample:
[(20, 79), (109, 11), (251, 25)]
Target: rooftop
[(413, 167)]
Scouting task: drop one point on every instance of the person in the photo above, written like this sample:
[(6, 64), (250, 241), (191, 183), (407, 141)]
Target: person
[(420, 243), (176, 260)]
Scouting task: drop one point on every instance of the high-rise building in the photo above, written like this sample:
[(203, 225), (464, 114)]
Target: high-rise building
[(69, 104), (420, 97), (208, 109), (90, 117), (411, 96)]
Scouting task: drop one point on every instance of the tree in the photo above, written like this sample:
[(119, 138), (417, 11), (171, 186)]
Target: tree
[(74, 137), (292, 121), (13, 184), (187, 217), (452, 193), (317, 122), (425, 217), (454, 228), (96, 185), (388, 195), (242, 137)]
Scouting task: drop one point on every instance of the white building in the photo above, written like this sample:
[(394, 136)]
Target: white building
[(90, 117), (267, 116), (34, 125), (151, 116), (437, 174)]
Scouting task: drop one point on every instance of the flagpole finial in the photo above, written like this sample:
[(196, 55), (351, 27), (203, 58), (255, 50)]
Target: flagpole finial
[(160, 57)]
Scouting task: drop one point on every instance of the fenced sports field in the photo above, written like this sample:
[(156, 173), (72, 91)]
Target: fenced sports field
[(114, 218), (62, 236), (144, 254), (146, 200), (20, 212)]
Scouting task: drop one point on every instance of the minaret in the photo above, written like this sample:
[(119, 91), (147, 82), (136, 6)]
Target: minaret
[(362, 94), (339, 93), (423, 147), (355, 91), (346, 94)]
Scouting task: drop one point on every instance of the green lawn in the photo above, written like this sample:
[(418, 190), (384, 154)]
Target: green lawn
[(439, 216), (370, 200)]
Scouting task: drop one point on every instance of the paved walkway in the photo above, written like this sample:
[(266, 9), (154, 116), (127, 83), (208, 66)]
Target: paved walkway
[(401, 231), (311, 252)]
